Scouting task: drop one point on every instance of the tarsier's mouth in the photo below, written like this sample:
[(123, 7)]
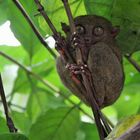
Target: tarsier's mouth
[(89, 42)]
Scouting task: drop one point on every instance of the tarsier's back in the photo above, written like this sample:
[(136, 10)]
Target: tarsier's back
[(102, 57)]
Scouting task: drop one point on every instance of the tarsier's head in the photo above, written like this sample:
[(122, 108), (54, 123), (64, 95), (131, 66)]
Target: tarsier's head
[(93, 28)]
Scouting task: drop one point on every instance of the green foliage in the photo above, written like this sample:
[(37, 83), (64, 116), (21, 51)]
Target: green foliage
[(12, 137), (41, 107), (60, 123), (3, 128), (88, 132)]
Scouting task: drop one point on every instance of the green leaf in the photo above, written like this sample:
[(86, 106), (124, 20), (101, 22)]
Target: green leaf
[(43, 63), (38, 101), (56, 124), (89, 131), (11, 136), (99, 7), (135, 77), (22, 29), (31, 9), (17, 53), (43, 99), (130, 73), (3, 126), (24, 85), (21, 121), (138, 110), (128, 103), (3, 11)]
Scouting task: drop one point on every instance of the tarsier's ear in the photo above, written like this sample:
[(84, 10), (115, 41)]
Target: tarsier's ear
[(65, 27), (115, 31)]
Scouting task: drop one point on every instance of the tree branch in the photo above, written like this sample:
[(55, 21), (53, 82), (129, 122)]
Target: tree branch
[(38, 34), (45, 16), (9, 120), (46, 83), (15, 105), (133, 62), (132, 134)]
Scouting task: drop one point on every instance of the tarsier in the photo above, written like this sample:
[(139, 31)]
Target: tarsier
[(102, 57)]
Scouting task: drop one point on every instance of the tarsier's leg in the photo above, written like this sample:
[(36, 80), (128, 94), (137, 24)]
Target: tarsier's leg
[(10, 123), (89, 86)]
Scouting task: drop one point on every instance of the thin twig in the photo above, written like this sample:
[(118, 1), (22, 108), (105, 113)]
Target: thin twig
[(38, 34), (43, 13), (133, 62), (15, 105), (9, 120), (46, 83)]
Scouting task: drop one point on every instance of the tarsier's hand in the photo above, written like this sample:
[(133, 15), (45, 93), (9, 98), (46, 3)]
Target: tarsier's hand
[(61, 46), (60, 41), (77, 40)]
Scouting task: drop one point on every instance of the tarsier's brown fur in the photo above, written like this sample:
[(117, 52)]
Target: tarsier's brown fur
[(103, 59)]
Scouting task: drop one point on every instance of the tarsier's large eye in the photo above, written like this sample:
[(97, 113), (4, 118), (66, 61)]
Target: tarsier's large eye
[(98, 31), (80, 29)]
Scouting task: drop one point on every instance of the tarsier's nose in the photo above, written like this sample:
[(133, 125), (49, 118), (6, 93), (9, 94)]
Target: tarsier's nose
[(87, 39)]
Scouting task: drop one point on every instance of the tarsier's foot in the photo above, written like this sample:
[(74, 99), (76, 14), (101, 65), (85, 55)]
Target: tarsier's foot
[(77, 69)]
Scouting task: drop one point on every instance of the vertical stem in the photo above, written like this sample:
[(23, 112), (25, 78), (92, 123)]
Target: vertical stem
[(68, 11), (47, 19)]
